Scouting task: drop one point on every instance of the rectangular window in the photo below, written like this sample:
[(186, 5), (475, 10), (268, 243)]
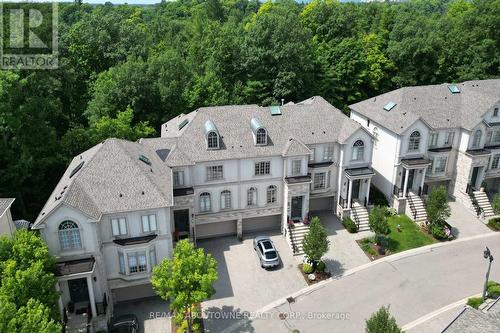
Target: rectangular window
[(312, 157), (495, 112), (296, 167), (328, 153), (440, 165), (214, 172), (496, 137), (449, 138), (429, 168), (148, 223), (252, 196), (495, 162), (433, 141), (121, 261), (137, 262), (119, 226), (319, 180), (178, 178), (152, 257), (262, 168)]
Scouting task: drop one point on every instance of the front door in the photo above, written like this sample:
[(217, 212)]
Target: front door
[(78, 290), (411, 177), (296, 208), (355, 189), (181, 220), (473, 179)]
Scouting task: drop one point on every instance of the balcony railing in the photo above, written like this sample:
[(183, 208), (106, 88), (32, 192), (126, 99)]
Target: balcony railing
[(397, 192)]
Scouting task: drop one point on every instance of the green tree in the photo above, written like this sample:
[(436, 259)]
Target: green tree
[(382, 322), (33, 317), (438, 209), (185, 280), (378, 221), (315, 243), (496, 204)]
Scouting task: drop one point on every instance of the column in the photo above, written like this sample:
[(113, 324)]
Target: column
[(423, 180), (368, 190), (239, 228), (90, 286), (59, 301), (349, 196), (405, 187)]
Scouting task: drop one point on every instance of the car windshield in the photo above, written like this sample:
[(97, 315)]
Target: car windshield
[(271, 255), (267, 245)]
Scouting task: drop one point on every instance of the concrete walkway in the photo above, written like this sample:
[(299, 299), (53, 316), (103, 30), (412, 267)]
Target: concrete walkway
[(414, 283), (464, 222)]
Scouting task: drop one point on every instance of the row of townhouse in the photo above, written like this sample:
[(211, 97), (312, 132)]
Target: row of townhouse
[(427, 136), (121, 206)]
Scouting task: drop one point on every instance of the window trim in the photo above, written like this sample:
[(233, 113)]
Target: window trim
[(207, 195), (328, 153), (312, 157), (414, 140), (252, 193), (137, 254), (497, 157), (148, 216), (322, 182), (478, 135), (450, 137), (296, 162), (212, 175), (119, 219), (178, 173), (70, 234), (358, 150), (259, 135), (226, 197), (272, 194), (435, 165), (266, 168), (211, 138)]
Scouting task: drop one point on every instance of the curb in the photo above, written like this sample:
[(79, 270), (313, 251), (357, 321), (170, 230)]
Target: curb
[(391, 258)]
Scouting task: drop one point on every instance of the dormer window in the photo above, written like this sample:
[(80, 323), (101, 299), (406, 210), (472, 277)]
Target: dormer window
[(212, 135), (259, 132)]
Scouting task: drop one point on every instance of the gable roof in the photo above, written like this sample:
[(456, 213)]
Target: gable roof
[(471, 320), (311, 121), (295, 148), (5, 204), (111, 179), (436, 105)]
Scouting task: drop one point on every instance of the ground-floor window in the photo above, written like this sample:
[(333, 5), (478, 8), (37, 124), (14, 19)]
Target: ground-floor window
[(137, 262), (495, 161)]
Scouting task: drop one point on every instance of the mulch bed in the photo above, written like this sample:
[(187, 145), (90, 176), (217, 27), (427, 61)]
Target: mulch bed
[(320, 276), (375, 248)]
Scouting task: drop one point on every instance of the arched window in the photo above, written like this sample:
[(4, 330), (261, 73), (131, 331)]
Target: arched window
[(261, 136), (477, 139), (69, 235), (414, 143), (271, 194), (225, 199), (252, 196), (213, 140), (358, 150), (205, 202)]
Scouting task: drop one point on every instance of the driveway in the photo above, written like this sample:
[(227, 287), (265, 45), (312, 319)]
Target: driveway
[(464, 222), (344, 252), (152, 313), (244, 286)]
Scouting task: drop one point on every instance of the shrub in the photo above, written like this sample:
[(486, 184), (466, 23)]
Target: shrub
[(438, 209), (377, 197), (475, 302), (382, 322), (437, 231), (349, 224), (496, 204), (494, 224), (321, 266), (307, 269), (392, 212), (493, 289), (378, 220)]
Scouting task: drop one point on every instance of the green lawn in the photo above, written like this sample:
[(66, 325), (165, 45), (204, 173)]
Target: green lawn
[(411, 236)]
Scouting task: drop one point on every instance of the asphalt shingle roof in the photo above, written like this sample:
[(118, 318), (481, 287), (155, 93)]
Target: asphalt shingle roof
[(434, 104), (112, 179), (5, 204), (471, 320)]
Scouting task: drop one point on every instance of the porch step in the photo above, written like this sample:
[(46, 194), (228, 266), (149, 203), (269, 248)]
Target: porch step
[(296, 236), (360, 216), (416, 207), (484, 202)]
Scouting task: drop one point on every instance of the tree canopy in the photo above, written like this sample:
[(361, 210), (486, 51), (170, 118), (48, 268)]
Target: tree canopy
[(162, 60)]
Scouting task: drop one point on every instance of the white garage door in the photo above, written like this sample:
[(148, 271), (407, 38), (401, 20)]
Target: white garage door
[(320, 204), (134, 292), (272, 222), (215, 229)]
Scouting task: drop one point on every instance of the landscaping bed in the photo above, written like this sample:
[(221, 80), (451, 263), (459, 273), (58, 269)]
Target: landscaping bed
[(494, 224), (319, 276), (408, 236)]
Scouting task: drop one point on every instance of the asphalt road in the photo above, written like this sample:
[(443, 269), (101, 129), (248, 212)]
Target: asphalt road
[(413, 285)]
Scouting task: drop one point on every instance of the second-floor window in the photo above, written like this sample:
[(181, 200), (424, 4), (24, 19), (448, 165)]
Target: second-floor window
[(271, 194), (119, 226), (225, 199), (495, 161), (433, 140), (448, 141), (296, 167), (262, 168), (69, 236), (476, 141), (178, 178), (214, 172), (440, 164), (252, 196), (495, 137), (328, 153), (148, 223), (319, 180), (312, 156), (137, 262), (205, 202), (358, 150), (414, 143)]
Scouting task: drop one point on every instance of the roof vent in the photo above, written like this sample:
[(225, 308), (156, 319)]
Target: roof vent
[(183, 123), (389, 106), (454, 89), (145, 159), (275, 110), (76, 169)]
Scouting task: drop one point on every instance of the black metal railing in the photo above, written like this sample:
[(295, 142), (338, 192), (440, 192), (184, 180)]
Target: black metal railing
[(412, 207), (397, 192), (469, 189), (290, 234), (343, 203), (355, 217)]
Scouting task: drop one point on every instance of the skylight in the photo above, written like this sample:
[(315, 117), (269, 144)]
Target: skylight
[(389, 106), (76, 169), (183, 123), (145, 159), (275, 110), (454, 89)]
